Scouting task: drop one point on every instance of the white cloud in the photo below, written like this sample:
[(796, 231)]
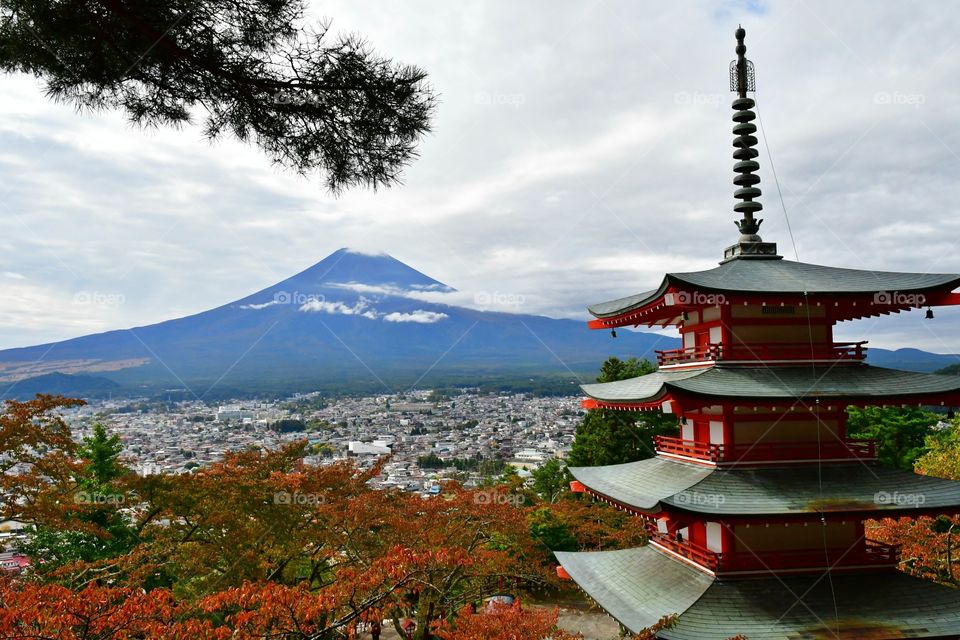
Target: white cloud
[(363, 308), (419, 316), (360, 308), (263, 305), (370, 289)]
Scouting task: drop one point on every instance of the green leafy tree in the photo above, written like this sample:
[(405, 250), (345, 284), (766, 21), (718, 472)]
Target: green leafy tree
[(100, 452), (900, 432), (430, 461), (97, 529), (949, 370), (551, 531), (607, 436), (551, 480), (942, 455), (309, 102)]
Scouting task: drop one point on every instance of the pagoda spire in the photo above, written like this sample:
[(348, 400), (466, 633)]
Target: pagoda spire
[(742, 80)]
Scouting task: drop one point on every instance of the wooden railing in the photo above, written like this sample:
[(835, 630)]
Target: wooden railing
[(749, 452), (689, 354), (689, 448), (852, 351), (694, 552)]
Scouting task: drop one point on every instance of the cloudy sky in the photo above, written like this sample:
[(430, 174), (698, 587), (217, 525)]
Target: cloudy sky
[(580, 150)]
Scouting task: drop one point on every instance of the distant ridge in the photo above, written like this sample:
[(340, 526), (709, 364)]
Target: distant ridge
[(65, 384), (911, 359)]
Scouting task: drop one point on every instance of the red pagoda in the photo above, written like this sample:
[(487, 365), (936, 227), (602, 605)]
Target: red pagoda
[(756, 512)]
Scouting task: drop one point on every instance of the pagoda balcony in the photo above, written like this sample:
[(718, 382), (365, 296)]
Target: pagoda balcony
[(767, 451), (785, 352), (872, 555), (700, 556)]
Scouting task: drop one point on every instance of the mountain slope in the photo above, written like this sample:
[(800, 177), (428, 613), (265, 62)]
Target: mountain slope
[(911, 359), (351, 317)]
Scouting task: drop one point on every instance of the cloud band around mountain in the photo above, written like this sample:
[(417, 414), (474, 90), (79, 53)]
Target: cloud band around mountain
[(363, 309)]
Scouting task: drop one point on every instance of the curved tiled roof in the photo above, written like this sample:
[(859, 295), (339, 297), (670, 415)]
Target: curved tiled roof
[(639, 586), (848, 487), (788, 383), (885, 605), (783, 276), (636, 586), (649, 484), (613, 307), (648, 386), (641, 484)]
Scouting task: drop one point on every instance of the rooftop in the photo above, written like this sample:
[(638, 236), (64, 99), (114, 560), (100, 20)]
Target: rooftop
[(784, 277), (857, 487), (851, 381), (639, 586)]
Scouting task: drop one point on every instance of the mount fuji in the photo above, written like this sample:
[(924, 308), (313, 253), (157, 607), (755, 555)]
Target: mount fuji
[(353, 320)]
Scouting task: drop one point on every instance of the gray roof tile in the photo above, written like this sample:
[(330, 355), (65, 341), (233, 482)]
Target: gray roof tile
[(641, 484), (880, 605), (788, 383), (796, 489), (636, 586), (783, 276), (639, 586)]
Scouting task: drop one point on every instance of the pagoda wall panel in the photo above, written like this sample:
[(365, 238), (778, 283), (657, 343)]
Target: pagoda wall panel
[(757, 334), (705, 315), (756, 311), (780, 537), (714, 536), (787, 430)]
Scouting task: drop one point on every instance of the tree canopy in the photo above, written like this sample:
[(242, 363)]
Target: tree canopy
[(607, 436), (900, 432), (310, 101), (942, 455), (260, 545)]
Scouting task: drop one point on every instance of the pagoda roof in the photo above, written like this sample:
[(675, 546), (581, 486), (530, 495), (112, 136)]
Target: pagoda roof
[(639, 586), (636, 586), (643, 484), (775, 383), (884, 605), (782, 276), (801, 489), (857, 487)]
